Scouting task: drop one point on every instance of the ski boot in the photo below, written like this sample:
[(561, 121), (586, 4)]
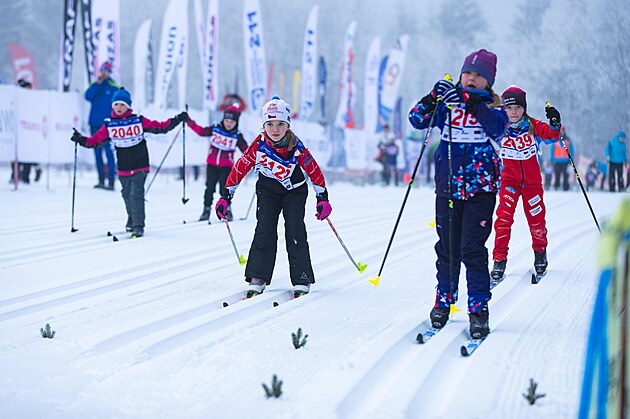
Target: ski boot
[(205, 215), (300, 290), (479, 328), (256, 287), (439, 316), (137, 232), (128, 226), (229, 215), (540, 262), (498, 270)]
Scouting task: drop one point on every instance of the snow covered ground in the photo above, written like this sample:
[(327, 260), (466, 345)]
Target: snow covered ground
[(141, 331)]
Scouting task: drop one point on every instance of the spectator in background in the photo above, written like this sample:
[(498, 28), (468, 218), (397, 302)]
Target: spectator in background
[(603, 169), (560, 161), (24, 168), (99, 94), (548, 172), (591, 175), (617, 156)]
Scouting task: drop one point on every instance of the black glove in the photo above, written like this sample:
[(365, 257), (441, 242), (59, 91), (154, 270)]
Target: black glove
[(440, 88), (182, 117), (553, 116), (472, 101), (428, 103), (78, 138)]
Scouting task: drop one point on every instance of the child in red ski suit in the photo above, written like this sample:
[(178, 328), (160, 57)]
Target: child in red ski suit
[(282, 162), (520, 176), (225, 138), (126, 131)]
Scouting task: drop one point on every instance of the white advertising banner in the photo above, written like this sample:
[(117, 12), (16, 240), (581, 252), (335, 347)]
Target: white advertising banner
[(33, 125), (344, 116), (356, 149), (370, 97), (393, 73), (255, 62), (141, 56), (8, 129), (64, 110)]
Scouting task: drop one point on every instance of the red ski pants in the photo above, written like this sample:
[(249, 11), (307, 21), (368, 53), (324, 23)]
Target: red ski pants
[(534, 212)]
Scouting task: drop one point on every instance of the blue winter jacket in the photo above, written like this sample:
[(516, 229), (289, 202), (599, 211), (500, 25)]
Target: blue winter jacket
[(100, 96), (616, 149), (475, 163)]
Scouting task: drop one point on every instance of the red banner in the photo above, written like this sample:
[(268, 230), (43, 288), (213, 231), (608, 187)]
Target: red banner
[(23, 64)]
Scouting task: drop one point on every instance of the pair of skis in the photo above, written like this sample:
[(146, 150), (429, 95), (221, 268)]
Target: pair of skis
[(466, 349), (283, 299)]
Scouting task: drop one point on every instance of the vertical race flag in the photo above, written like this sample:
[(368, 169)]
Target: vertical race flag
[(370, 97), (88, 46), (309, 65), (67, 44), (323, 76), (391, 77), (106, 35), (255, 65), (170, 47), (344, 116), (141, 59), (208, 45), (182, 58), (295, 92), (23, 64)]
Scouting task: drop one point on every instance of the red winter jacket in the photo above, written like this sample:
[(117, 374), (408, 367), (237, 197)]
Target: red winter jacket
[(223, 143), (519, 153)]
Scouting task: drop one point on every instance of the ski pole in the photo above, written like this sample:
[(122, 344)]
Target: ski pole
[(453, 309), (360, 266), (413, 176), (184, 199), (241, 258), (577, 176), (74, 187), (251, 202), (161, 163)]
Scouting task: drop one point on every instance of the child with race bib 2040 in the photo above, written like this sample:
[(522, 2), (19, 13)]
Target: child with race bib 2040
[(126, 131)]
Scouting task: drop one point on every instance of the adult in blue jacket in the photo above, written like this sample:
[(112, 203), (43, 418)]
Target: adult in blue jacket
[(617, 157), (99, 94)]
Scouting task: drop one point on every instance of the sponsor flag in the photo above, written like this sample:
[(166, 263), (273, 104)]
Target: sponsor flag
[(309, 66), (255, 63), (67, 44)]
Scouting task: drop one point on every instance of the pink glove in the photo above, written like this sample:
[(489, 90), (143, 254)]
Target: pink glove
[(323, 210), (221, 208)]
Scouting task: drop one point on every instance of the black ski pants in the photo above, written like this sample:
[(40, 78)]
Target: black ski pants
[(133, 194), (615, 176), (215, 174), (469, 229), (262, 254)]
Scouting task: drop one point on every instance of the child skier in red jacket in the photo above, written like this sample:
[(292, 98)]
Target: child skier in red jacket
[(520, 176), (126, 131), (225, 138), (282, 162)]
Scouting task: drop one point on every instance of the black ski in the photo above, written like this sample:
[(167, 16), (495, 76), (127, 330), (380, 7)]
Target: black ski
[(496, 281), (536, 277)]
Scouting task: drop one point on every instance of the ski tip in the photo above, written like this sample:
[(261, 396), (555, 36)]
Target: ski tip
[(225, 304), (362, 267), (109, 234), (464, 351), (184, 222), (276, 304), (375, 281), (114, 238), (420, 338)]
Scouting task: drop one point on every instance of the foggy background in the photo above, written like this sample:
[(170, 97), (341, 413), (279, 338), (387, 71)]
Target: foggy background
[(572, 53)]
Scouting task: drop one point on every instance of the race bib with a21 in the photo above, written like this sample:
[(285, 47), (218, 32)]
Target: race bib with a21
[(522, 147), (125, 133), (271, 165)]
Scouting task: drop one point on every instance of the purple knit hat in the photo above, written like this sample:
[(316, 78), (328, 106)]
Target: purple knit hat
[(514, 95), (482, 62)]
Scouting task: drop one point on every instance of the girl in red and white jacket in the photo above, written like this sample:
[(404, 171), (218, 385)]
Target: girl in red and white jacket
[(126, 131), (225, 138), (520, 176), (282, 162)]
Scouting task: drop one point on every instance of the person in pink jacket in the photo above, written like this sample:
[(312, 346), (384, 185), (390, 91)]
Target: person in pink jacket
[(225, 138)]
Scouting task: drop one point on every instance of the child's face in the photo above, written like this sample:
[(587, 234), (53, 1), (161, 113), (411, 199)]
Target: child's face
[(276, 129), (229, 124), (120, 108), (514, 112), (472, 80)]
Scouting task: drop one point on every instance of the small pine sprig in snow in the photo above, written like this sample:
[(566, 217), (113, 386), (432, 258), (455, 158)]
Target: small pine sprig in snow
[(46, 332), (276, 388), (531, 395), (298, 341)]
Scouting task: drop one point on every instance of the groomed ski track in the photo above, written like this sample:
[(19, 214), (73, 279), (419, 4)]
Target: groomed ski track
[(156, 323)]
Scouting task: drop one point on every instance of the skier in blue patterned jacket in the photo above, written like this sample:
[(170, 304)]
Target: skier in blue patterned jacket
[(466, 182)]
